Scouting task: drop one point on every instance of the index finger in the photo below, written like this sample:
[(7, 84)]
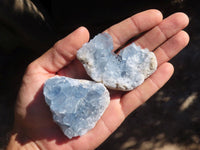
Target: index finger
[(133, 26)]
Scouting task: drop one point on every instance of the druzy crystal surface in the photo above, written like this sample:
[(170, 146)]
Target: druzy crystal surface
[(76, 105), (123, 71)]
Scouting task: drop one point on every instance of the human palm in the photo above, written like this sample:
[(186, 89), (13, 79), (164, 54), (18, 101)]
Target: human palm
[(34, 127)]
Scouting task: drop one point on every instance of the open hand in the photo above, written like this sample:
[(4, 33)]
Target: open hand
[(34, 127)]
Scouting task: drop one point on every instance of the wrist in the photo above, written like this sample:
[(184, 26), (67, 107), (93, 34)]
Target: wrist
[(19, 142)]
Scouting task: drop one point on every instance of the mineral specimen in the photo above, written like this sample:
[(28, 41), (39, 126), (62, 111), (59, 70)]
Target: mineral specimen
[(124, 71), (76, 105)]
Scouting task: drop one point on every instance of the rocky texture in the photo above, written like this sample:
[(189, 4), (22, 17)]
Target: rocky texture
[(76, 105), (124, 71)]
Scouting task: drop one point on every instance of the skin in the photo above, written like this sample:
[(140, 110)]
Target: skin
[(34, 128)]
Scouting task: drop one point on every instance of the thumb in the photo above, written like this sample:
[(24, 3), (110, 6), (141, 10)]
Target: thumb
[(63, 51)]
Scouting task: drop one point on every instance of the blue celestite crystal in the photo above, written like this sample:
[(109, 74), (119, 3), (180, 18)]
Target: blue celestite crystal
[(124, 71), (76, 105)]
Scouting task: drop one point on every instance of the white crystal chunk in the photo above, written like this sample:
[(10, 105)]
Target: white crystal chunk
[(124, 71), (76, 105)]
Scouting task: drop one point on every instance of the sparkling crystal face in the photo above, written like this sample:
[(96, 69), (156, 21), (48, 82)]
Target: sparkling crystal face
[(76, 105), (124, 71)]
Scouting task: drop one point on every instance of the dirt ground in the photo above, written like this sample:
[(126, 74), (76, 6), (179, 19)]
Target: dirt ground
[(170, 120)]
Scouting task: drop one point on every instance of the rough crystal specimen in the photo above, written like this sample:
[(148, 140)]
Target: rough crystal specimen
[(124, 71), (76, 105)]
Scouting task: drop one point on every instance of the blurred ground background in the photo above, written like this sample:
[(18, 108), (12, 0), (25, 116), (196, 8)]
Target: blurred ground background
[(170, 120)]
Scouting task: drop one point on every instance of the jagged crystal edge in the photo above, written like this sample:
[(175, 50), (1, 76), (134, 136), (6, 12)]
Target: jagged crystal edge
[(124, 71)]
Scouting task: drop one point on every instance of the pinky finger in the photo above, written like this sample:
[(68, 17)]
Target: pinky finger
[(133, 99)]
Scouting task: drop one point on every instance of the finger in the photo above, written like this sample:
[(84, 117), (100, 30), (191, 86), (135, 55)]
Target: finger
[(169, 26), (171, 47), (133, 26), (138, 96), (63, 52)]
